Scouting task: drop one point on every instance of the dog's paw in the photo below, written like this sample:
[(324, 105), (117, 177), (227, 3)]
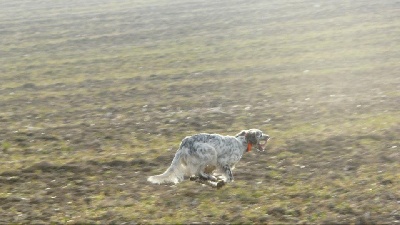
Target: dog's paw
[(193, 178), (214, 179), (220, 184)]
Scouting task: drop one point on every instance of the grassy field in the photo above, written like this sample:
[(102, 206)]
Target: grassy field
[(96, 95)]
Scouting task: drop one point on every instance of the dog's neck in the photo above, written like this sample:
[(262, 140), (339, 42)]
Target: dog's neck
[(246, 145)]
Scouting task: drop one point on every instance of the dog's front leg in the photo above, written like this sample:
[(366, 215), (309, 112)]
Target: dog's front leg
[(228, 173)]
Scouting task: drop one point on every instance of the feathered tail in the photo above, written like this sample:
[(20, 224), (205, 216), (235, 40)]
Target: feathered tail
[(174, 174)]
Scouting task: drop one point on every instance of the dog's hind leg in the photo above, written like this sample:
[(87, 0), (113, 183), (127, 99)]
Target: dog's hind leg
[(215, 184), (206, 176), (201, 156)]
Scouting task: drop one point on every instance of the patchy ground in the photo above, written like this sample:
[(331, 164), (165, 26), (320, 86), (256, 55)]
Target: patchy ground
[(96, 96)]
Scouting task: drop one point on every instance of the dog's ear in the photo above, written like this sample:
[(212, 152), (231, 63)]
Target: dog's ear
[(251, 137), (241, 133)]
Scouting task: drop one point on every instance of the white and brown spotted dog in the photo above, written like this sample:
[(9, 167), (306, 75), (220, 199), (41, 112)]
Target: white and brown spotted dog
[(199, 151)]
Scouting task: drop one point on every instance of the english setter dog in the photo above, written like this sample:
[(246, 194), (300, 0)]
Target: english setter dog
[(199, 152)]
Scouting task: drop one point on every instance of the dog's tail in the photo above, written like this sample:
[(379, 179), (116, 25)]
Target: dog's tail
[(174, 174)]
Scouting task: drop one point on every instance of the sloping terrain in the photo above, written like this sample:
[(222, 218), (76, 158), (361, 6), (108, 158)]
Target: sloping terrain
[(95, 96)]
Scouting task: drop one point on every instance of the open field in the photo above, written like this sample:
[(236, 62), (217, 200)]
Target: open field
[(96, 95)]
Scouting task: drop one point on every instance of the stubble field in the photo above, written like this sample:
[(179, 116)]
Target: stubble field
[(95, 96)]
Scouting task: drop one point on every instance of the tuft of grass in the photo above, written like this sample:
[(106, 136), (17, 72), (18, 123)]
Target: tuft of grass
[(5, 145)]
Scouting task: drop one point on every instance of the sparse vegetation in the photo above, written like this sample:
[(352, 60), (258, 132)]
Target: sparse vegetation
[(96, 95)]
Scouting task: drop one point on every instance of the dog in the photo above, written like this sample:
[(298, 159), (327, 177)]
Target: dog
[(201, 151)]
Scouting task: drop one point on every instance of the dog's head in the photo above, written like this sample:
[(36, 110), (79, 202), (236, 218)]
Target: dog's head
[(254, 137)]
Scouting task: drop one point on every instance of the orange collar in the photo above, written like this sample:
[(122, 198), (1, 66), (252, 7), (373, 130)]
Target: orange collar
[(248, 147)]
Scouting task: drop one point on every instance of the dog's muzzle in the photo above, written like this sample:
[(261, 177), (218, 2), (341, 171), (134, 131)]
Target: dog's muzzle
[(262, 143)]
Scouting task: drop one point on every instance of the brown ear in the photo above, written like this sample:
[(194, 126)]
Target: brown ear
[(241, 133)]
